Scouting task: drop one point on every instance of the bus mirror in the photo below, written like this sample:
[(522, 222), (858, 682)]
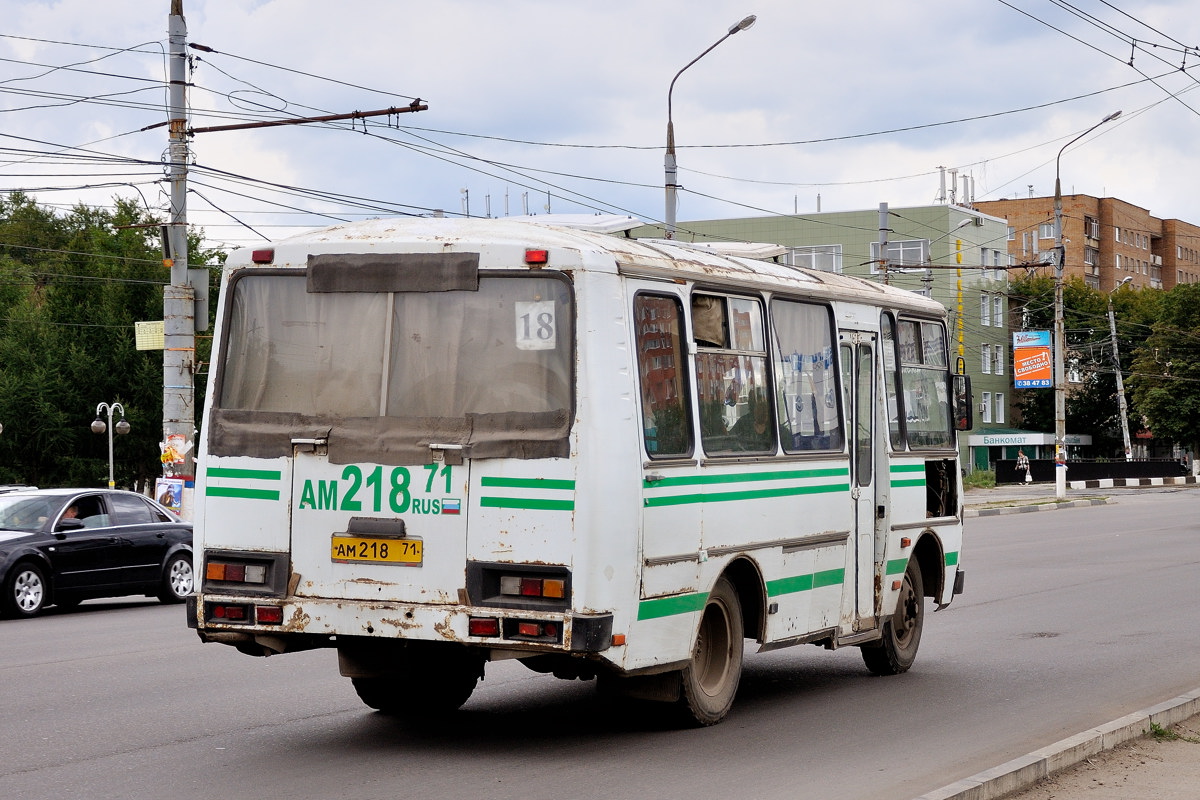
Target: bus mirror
[(963, 410)]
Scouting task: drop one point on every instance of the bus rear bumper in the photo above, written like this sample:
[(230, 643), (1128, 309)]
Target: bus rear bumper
[(304, 623)]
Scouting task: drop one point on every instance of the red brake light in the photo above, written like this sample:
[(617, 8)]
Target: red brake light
[(265, 256), (483, 626), (537, 256), (268, 615)]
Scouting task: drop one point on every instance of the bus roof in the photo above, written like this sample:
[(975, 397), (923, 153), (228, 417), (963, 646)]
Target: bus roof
[(583, 245)]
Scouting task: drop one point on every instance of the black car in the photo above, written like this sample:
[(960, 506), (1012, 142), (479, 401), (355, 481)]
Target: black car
[(62, 546)]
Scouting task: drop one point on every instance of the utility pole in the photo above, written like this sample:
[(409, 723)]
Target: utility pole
[(883, 241), (179, 295), (179, 331), (1112, 328)]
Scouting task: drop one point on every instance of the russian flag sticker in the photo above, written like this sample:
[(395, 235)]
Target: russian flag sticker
[(451, 505)]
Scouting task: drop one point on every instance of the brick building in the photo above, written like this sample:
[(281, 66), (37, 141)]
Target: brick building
[(1105, 240)]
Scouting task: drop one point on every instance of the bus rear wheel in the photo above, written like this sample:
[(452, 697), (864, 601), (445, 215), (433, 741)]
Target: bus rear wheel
[(710, 680), (424, 688), (897, 650)]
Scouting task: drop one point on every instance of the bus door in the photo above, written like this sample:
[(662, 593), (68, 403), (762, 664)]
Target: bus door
[(858, 388), (670, 476), (379, 532)]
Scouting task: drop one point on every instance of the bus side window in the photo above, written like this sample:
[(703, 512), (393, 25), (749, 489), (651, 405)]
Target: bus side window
[(731, 375), (805, 377), (666, 421)]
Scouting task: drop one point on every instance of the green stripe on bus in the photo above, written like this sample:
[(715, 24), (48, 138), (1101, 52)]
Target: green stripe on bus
[(752, 494), (830, 577), (746, 477), (951, 559), (917, 482), (908, 467), (528, 503), (231, 472), (246, 494), (527, 483), (896, 566), (669, 606), (805, 583), (798, 583)]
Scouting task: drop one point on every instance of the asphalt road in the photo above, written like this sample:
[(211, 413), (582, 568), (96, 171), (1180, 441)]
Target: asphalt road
[(1071, 618)]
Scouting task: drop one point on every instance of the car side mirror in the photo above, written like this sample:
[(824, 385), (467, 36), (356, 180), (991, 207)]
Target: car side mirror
[(69, 524)]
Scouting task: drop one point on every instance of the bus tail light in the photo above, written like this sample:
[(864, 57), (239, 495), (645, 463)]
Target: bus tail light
[(533, 630), (533, 587), (235, 572), (483, 626), (268, 615), (229, 612)]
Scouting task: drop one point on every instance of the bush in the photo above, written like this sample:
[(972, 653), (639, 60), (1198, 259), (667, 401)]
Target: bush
[(980, 479)]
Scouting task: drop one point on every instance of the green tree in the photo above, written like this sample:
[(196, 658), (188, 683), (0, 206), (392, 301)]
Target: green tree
[(1165, 383), (71, 288), (1091, 404)]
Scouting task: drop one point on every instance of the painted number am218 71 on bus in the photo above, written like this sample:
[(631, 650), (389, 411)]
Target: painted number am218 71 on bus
[(431, 444)]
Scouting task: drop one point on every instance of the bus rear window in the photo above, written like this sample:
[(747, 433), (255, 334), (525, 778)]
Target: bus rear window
[(502, 349)]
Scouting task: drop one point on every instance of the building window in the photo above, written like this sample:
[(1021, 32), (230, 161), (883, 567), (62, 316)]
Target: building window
[(1012, 233), (910, 253), (823, 257), (1117, 261), (985, 361), (998, 310), (999, 414), (998, 360), (1092, 226), (1116, 234), (1046, 230), (985, 407), (985, 309)]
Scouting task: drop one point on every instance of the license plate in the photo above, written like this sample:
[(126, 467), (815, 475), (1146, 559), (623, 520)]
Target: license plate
[(366, 550)]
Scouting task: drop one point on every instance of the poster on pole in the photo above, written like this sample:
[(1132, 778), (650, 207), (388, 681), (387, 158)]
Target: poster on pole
[(1033, 366)]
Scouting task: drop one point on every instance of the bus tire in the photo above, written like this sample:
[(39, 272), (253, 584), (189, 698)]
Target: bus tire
[(710, 681), (897, 650), (436, 686)]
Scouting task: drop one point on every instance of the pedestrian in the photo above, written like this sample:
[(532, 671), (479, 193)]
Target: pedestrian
[(1023, 464)]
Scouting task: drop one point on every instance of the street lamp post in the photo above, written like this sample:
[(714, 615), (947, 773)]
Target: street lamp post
[(1112, 327), (99, 426), (1060, 384), (671, 180)]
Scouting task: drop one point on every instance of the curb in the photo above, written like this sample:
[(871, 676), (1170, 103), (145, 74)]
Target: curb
[(1023, 772), (1028, 509)]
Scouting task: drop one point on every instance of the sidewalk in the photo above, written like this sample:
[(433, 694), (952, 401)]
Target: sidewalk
[(1117, 761), (1020, 498)]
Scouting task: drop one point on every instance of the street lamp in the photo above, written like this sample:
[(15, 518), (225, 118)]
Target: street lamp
[(99, 426), (1060, 387), (1112, 327), (669, 160)]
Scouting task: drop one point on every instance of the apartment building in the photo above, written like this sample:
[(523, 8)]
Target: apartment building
[(1104, 240)]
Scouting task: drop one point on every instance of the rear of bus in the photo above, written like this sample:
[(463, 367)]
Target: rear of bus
[(385, 466)]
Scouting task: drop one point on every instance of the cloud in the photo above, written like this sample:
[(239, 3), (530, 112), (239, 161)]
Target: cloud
[(530, 98)]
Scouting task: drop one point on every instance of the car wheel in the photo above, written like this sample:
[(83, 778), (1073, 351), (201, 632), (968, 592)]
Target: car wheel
[(178, 580), (25, 591)]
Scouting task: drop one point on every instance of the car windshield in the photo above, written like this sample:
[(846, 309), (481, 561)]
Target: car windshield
[(25, 513)]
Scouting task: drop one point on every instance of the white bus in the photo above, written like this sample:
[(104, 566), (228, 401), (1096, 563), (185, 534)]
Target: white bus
[(430, 444)]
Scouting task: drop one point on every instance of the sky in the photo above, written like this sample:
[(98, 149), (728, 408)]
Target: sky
[(559, 106)]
